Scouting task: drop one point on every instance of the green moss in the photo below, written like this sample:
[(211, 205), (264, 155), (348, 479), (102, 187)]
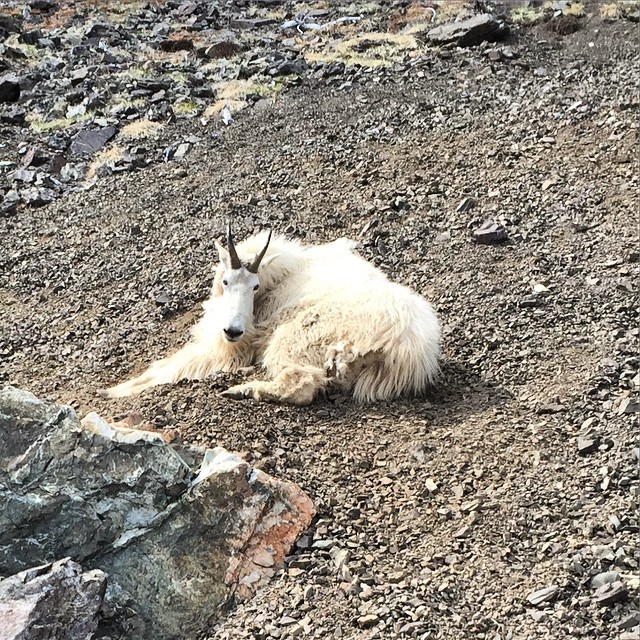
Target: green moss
[(525, 15), (188, 107)]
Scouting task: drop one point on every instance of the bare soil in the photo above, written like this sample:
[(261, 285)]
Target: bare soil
[(540, 333)]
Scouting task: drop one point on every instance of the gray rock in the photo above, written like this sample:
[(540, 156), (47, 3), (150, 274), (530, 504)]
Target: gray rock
[(490, 233), (56, 596), (542, 595), (175, 541), (630, 621), (465, 205), (39, 196), (23, 175), (182, 151), (468, 33), (88, 141), (611, 592), (9, 88), (607, 577)]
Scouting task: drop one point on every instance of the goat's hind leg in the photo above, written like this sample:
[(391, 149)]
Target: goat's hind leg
[(295, 384), (188, 362)]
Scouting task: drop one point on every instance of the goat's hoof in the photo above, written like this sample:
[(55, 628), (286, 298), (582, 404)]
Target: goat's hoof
[(238, 393), (103, 393)]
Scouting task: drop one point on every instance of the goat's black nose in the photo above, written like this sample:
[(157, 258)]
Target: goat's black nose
[(233, 334)]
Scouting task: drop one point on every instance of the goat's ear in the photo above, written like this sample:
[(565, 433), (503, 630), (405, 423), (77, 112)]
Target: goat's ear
[(223, 254), (267, 261)]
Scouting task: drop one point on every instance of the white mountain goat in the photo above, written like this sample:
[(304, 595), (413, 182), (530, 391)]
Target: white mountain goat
[(313, 317)]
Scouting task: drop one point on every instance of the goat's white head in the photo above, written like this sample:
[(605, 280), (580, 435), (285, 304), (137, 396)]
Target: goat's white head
[(239, 283)]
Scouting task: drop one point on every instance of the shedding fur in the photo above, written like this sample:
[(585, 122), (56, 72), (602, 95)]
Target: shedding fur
[(319, 316)]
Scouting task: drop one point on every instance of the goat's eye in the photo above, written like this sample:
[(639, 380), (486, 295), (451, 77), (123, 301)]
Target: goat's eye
[(225, 283), (256, 287)]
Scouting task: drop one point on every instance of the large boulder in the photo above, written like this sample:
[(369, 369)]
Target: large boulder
[(180, 531), (56, 600), (468, 33)]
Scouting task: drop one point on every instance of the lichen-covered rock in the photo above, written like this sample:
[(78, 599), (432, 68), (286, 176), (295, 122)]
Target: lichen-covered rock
[(55, 600), (179, 531)]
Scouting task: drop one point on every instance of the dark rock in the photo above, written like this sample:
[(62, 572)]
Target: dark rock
[(161, 111), (30, 37), (289, 67), (531, 300), (15, 117), (43, 6), (56, 596), (203, 92), (153, 85), (178, 44), (35, 157), (468, 33), (545, 409), (89, 141), (490, 233), (587, 445), (630, 621), (57, 162), (565, 24), (225, 46), (611, 592), (57, 142), (9, 24), (465, 205), (9, 88), (250, 23)]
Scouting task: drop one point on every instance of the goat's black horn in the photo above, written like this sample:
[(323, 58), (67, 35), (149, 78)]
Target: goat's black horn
[(253, 267), (231, 248)]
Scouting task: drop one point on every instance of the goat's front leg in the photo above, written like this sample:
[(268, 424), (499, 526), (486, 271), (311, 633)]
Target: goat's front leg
[(189, 362), (293, 385)]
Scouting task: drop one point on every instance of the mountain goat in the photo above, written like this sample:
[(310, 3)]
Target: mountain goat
[(313, 317)]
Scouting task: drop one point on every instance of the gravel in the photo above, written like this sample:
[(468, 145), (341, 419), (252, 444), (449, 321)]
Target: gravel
[(437, 517)]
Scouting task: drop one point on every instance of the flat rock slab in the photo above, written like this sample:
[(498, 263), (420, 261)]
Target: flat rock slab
[(58, 596), (90, 141), (179, 531), (468, 33)]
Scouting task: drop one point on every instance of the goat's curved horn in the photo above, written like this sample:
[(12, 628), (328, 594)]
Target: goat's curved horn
[(253, 267), (231, 248)]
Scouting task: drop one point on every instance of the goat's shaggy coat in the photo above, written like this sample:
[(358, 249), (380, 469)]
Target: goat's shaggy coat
[(322, 316)]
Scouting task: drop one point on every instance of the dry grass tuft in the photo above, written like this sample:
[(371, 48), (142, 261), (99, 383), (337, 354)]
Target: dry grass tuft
[(139, 129), (108, 157), (375, 49)]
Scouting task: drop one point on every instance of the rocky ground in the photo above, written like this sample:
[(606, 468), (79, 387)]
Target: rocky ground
[(506, 504)]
